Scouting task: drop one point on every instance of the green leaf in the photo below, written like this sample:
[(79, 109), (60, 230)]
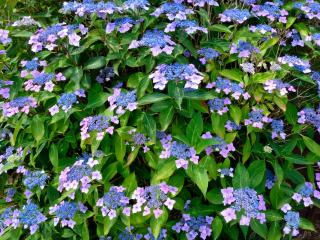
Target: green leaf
[(135, 79), (218, 122), (152, 98), (246, 150), (241, 177), (214, 196), (164, 171), (269, 43), (95, 63), (274, 232), (273, 215), (54, 156), (260, 229), (262, 77), (97, 99), (291, 113), (120, 148), (306, 225), (165, 117), (157, 223), (219, 28), (37, 128), (257, 171), (199, 176), (232, 74), (150, 126), (235, 113), (217, 226), (278, 171), (132, 156), (195, 128), (130, 183), (278, 197), (312, 145), (198, 95)]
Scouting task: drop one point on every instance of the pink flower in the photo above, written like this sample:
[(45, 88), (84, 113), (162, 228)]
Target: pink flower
[(229, 214), (74, 39), (54, 109)]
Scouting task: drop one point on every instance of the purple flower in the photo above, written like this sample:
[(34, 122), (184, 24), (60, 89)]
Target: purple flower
[(79, 176), (228, 87), (295, 62), (311, 9), (20, 104), (190, 26), (113, 200), (235, 15), (263, 29), (207, 54), (199, 3), (101, 8), (48, 38), (65, 213), (179, 151), (310, 116), (151, 199), (243, 49), (100, 124), (4, 37), (292, 220), (66, 101), (248, 67), (276, 84), (105, 75), (194, 226), (122, 24), (139, 139), (305, 193), (270, 10), (232, 126), (122, 101), (245, 201), (136, 4), (4, 90), (176, 72), (225, 172), (156, 40), (257, 119), (173, 11), (277, 129), (35, 179), (219, 105), (220, 145), (270, 179), (29, 216)]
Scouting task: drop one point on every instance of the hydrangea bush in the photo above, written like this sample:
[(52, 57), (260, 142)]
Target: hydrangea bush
[(146, 119)]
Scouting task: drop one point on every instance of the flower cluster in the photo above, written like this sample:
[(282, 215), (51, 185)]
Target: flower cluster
[(199, 3), (270, 179), (295, 62), (277, 129), (270, 10), (295, 38), (136, 4), (26, 21), (245, 201), (4, 37), (228, 87), (19, 104), (79, 175), (276, 84), (10, 156), (207, 54), (156, 40), (305, 192), (6, 219), (66, 101), (180, 151), (139, 139), (311, 9), (4, 89), (121, 101), (173, 11), (176, 72), (47, 38), (105, 75), (65, 212), (232, 126), (257, 119), (220, 145), (33, 180), (219, 105), (151, 199), (226, 172), (39, 80), (100, 124), (9, 197), (190, 26), (263, 29), (292, 220), (29, 216), (89, 7), (32, 67), (310, 116), (113, 200), (122, 24), (235, 15), (243, 49), (194, 226)]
